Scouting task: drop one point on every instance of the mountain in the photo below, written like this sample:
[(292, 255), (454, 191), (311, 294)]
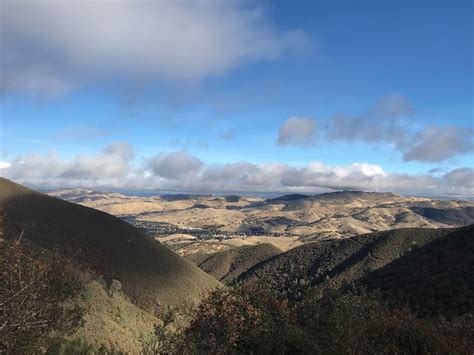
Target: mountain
[(325, 216), (181, 197), (107, 245), (227, 265), (339, 262), (287, 198), (436, 278), (103, 247), (447, 216)]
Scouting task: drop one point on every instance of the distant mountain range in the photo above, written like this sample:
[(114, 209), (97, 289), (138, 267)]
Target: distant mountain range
[(325, 216)]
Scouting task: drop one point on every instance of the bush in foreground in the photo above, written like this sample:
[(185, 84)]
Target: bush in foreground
[(361, 323), (33, 290), (249, 320)]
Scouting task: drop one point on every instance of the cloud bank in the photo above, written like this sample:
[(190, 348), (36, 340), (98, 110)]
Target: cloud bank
[(388, 121), (109, 167), (174, 165), (115, 166), (50, 47)]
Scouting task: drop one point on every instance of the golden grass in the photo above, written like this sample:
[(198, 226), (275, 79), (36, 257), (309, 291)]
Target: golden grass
[(113, 321)]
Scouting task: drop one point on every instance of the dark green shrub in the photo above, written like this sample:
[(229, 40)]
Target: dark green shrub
[(360, 323)]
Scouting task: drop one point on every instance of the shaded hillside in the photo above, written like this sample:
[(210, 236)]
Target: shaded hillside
[(436, 278), (232, 198), (288, 198), (181, 197), (228, 265), (355, 198), (355, 194), (449, 216), (334, 263), (106, 246)]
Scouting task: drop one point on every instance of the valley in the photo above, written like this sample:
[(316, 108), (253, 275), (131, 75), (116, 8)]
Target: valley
[(210, 223)]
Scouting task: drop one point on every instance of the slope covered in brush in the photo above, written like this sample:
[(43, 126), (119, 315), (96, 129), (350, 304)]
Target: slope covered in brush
[(436, 278), (104, 245), (337, 262), (228, 265)]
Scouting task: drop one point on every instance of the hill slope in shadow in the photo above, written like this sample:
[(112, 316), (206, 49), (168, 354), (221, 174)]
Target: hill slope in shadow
[(436, 278), (332, 264), (226, 266), (447, 216), (106, 246)]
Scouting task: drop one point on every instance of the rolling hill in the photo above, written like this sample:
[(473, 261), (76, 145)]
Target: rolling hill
[(103, 247), (227, 265), (332, 264), (309, 217), (447, 216), (436, 278), (104, 244)]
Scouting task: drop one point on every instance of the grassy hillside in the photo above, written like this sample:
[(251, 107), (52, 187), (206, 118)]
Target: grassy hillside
[(109, 255), (343, 198), (337, 262), (228, 265), (106, 245), (325, 216), (449, 216), (436, 278)]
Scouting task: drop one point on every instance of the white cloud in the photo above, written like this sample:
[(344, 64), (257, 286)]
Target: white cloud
[(242, 176), (110, 167), (439, 143), (174, 165), (386, 123), (5, 165), (123, 150), (355, 176), (114, 167), (48, 47), (381, 123), (391, 106), (460, 180), (297, 131)]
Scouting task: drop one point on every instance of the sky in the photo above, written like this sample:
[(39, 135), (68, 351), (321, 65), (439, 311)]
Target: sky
[(229, 96)]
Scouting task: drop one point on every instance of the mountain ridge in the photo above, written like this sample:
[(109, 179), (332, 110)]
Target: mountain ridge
[(337, 262), (103, 243)]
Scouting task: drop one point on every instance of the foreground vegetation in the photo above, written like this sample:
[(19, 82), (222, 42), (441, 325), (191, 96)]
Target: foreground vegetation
[(34, 290), (250, 319), (375, 315)]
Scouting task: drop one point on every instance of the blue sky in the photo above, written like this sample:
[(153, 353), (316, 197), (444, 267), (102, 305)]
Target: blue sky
[(379, 93)]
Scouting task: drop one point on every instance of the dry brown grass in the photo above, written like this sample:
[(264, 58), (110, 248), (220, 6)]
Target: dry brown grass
[(150, 273), (112, 321), (332, 215)]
